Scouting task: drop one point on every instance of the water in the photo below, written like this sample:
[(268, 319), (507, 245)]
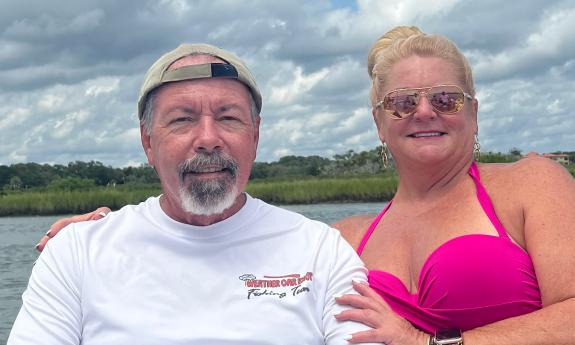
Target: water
[(19, 235)]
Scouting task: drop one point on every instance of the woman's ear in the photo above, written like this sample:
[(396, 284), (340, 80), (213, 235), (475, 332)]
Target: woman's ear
[(474, 114), (377, 118)]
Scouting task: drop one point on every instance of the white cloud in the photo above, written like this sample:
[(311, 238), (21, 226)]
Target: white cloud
[(554, 107), (14, 118), (102, 86), (63, 128), (552, 39), (281, 152), (404, 11), (177, 7), (71, 71), (18, 157), (321, 120), (293, 89), (50, 102), (47, 25)]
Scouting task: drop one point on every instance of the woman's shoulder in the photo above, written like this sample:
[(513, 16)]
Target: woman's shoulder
[(353, 228), (527, 182), (531, 171)]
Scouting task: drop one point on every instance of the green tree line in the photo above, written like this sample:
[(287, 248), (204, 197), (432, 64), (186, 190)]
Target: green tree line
[(74, 176), (85, 175)]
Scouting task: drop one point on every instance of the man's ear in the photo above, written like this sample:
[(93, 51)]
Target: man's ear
[(147, 145), (256, 134)]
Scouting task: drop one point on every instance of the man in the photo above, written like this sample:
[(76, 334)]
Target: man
[(204, 263)]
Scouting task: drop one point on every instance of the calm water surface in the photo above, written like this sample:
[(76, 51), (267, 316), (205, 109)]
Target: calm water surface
[(19, 235)]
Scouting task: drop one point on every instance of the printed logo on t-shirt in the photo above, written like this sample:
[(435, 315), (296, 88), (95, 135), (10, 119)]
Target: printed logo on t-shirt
[(276, 286)]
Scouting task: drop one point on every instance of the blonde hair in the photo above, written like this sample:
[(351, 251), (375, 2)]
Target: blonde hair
[(404, 41)]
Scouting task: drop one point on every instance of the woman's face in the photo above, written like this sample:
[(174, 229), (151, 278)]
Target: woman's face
[(427, 136)]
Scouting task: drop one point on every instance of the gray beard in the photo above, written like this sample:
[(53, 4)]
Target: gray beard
[(208, 197)]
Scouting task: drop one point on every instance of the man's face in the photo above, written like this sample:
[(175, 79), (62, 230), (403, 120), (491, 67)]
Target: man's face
[(202, 143)]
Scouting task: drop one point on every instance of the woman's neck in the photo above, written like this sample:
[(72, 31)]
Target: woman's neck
[(420, 182)]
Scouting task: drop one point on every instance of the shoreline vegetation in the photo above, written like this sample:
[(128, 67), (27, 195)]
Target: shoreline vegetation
[(304, 191), (79, 187)]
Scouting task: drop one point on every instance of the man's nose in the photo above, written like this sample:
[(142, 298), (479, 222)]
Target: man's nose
[(208, 136)]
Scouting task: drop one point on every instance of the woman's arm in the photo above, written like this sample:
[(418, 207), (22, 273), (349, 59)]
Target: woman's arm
[(547, 193)]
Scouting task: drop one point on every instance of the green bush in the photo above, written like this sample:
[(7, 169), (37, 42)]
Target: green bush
[(71, 183)]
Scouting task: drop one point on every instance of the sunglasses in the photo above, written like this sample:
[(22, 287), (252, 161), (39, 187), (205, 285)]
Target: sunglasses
[(445, 99)]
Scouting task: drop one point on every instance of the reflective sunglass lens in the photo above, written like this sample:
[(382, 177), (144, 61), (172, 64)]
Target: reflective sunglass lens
[(446, 99), (401, 104)]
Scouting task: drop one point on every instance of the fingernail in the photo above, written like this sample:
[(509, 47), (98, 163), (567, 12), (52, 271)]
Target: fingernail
[(37, 247), (347, 337), (337, 295), (357, 281), (103, 214), (48, 233)]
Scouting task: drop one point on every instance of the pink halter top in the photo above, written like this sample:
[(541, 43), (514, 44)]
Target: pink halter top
[(467, 282)]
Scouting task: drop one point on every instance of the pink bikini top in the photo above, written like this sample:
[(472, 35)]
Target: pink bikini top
[(467, 282)]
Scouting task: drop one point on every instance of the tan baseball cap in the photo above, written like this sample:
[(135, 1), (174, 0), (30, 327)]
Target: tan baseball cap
[(234, 68)]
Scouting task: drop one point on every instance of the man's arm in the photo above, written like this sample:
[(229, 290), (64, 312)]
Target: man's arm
[(346, 267), (50, 312)]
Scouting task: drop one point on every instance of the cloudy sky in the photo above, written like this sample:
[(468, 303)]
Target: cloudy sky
[(70, 70)]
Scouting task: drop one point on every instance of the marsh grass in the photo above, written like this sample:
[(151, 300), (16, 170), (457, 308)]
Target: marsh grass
[(319, 190), (292, 191), (71, 202)]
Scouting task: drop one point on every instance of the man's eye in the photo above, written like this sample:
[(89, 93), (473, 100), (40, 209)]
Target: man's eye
[(229, 118), (181, 119)]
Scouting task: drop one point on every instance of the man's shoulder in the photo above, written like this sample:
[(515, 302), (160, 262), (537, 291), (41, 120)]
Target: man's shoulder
[(287, 218), (114, 222), (295, 226)]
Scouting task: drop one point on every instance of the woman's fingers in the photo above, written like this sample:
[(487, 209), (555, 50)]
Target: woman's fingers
[(367, 298), (366, 316), (370, 309), (364, 290), (100, 213), (369, 336), (60, 224)]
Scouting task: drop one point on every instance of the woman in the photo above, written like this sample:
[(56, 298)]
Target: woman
[(485, 249), (482, 249)]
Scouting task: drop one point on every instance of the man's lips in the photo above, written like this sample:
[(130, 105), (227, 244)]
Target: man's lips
[(214, 165), (207, 170), (426, 134)]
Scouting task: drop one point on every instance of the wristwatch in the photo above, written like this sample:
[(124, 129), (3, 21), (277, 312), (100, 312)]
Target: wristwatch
[(450, 336)]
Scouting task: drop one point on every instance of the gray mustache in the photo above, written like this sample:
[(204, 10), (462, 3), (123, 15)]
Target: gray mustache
[(201, 161)]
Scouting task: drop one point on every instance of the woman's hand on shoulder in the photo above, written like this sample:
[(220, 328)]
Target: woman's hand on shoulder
[(62, 223)]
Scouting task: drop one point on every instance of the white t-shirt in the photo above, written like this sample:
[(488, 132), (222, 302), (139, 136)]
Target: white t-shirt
[(263, 276)]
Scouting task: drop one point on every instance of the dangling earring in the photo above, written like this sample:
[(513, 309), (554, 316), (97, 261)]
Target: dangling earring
[(476, 149), (385, 156)]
